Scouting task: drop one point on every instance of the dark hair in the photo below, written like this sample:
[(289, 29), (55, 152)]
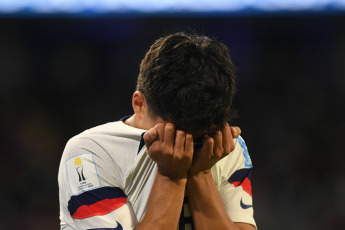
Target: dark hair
[(188, 80)]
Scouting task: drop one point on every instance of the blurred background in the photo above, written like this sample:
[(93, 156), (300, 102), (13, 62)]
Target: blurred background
[(66, 66)]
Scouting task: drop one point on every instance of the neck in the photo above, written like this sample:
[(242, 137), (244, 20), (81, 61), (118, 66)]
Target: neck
[(131, 121), (145, 122)]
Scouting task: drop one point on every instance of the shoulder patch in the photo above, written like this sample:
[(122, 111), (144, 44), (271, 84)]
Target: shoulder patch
[(82, 173), (248, 161)]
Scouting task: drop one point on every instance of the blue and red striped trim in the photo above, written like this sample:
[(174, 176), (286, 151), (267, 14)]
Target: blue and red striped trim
[(242, 177), (97, 202)]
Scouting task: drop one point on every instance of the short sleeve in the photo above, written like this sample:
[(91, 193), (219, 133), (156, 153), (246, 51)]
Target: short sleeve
[(91, 189), (233, 175)]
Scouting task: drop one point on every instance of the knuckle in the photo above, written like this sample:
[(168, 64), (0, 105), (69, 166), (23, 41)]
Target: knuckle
[(238, 130), (159, 126), (178, 157), (218, 153), (180, 133), (210, 141), (167, 150), (147, 138), (153, 149), (169, 127), (185, 157), (227, 148), (189, 137)]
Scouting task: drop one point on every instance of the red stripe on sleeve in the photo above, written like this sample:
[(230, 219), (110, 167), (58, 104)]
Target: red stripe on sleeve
[(99, 208), (247, 186), (236, 183)]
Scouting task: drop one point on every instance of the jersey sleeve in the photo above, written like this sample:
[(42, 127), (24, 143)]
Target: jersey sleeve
[(233, 175), (91, 189)]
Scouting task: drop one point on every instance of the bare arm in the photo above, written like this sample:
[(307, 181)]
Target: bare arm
[(173, 155), (206, 205), (165, 204)]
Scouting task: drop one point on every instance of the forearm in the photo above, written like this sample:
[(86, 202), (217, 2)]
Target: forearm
[(206, 205), (165, 204)]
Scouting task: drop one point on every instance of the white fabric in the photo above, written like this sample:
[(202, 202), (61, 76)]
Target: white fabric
[(108, 156)]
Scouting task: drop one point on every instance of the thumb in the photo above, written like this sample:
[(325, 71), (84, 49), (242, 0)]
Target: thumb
[(150, 136)]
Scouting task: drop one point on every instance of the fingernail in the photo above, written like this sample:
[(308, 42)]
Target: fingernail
[(152, 132)]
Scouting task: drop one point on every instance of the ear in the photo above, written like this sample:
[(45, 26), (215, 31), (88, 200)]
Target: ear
[(139, 104)]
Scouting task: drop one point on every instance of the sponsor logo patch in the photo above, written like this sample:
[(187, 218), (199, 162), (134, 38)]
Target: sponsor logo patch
[(82, 173)]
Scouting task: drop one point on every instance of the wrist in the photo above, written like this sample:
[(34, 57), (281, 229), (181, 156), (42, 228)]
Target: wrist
[(201, 173), (174, 180)]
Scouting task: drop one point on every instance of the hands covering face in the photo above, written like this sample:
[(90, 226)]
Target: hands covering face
[(174, 153)]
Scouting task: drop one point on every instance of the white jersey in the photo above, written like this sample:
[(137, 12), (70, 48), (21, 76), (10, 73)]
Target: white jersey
[(106, 176)]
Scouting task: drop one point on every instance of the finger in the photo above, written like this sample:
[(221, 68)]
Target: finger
[(160, 131), (227, 138), (179, 143), (208, 144), (236, 131), (218, 144), (150, 136), (169, 135), (189, 146)]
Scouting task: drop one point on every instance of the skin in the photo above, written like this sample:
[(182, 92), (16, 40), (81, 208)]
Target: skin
[(173, 152)]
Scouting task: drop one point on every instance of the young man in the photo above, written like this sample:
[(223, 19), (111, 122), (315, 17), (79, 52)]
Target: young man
[(121, 176)]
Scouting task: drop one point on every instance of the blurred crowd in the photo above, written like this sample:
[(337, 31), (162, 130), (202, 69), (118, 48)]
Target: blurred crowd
[(59, 77)]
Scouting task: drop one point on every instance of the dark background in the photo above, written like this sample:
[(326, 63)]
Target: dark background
[(60, 76)]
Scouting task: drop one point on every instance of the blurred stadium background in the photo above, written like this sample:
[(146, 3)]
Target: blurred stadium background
[(66, 66)]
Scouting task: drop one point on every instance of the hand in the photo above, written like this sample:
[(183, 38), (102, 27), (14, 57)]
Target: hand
[(171, 150), (214, 148)]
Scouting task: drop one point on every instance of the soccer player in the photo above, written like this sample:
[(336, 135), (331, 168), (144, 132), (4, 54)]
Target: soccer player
[(175, 163)]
